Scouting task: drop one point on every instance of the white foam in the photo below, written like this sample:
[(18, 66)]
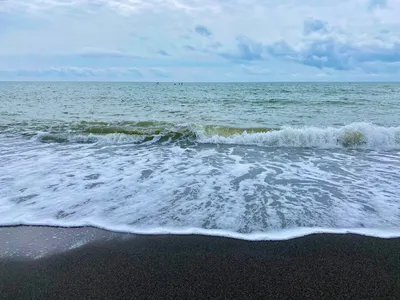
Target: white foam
[(273, 235), (372, 137), (109, 139), (231, 191)]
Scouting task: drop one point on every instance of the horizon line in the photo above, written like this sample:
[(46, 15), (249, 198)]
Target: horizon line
[(177, 81)]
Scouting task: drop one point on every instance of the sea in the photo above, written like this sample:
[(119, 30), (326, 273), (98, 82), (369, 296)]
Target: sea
[(254, 161)]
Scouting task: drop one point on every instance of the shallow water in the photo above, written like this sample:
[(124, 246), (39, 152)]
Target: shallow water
[(254, 161)]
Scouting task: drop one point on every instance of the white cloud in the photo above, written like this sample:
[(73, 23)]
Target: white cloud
[(159, 72), (121, 6), (71, 72), (255, 70)]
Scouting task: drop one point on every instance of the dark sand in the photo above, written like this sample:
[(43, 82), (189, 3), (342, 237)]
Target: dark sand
[(197, 267)]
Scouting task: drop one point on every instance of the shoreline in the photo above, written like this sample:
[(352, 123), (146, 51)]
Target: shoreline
[(274, 235), (106, 265)]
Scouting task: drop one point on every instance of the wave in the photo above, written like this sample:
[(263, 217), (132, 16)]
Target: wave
[(355, 135), (273, 235)]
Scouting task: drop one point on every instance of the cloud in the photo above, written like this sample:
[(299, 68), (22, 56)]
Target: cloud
[(161, 73), (185, 37), (216, 45), (330, 50), (255, 70), (378, 68), (125, 7), (103, 53), (373, 4), (246, 50), (72, 72), (202, 30), (189, 48), (325, 53), (139, 37), (314, 25), (163, 53)]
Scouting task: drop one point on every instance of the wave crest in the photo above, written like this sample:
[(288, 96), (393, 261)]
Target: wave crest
[(356, 135), (363, 135)]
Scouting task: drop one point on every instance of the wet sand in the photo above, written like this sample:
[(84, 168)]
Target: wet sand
[(122, 266)]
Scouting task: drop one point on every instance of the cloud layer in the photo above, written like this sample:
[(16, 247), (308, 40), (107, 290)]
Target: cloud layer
[(193, 40)]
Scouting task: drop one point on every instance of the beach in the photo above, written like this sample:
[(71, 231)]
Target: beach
[(127, 266)]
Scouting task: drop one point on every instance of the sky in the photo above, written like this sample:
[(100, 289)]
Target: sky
[(200, 40)]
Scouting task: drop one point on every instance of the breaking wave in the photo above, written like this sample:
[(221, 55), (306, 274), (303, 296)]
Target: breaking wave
[(355, 135)]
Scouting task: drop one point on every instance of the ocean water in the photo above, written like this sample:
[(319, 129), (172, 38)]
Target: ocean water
[(251, 161)]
